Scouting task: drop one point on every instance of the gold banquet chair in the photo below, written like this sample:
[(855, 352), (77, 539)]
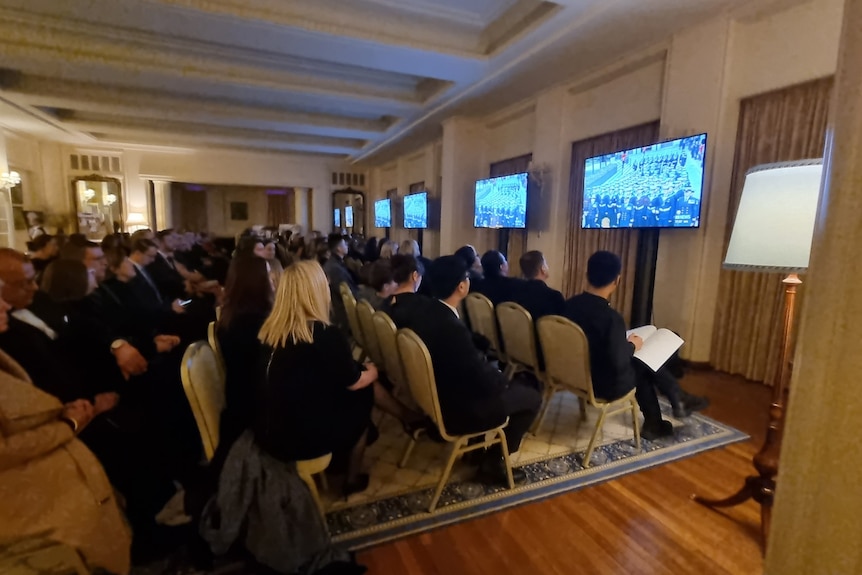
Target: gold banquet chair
[(518, 334), (212, 338), (385, 330), (365, 319), (567, 366), (420, 376), (353, 320), (483, 321)]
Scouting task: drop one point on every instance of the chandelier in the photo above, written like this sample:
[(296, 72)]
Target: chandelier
[(9, 180)]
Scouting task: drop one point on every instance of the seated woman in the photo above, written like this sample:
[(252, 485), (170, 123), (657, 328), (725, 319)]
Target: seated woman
[(380, 285), (314, 398), (51, 485), (248, 301)]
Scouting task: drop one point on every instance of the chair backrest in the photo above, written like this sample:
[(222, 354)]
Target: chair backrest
[(365, 316), (386, 332), (567, 354), (212, 338), (204, 384), (350, 308), (419, 372), (518, 334), (480, 310)]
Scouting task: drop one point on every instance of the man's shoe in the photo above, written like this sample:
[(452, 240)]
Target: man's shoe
[(494, 472), (695, 402), (681, 410), (656, 430)]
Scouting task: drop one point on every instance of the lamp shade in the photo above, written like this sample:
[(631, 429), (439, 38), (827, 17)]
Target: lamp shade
[(774, 223)]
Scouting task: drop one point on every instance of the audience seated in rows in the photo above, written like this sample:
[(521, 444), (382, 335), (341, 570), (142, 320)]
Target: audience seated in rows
[(380, 286), (496, 284)]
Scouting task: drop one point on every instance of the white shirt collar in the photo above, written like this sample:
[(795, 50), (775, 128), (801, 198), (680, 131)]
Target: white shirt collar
[(32, 319), (454, 309)]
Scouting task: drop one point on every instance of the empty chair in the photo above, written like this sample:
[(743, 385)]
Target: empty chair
[(385, 330), (567, 366), (483, 321), (518, 335), (365, 318), (420, 376), (355, 329)]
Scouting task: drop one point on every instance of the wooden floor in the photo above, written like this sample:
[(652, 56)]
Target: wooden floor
[(643, 523)]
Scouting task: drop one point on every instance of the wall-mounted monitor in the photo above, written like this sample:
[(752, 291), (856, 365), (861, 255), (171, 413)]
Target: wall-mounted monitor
[(501, 202), (416, 211), (336, 217), (383, 213), (348, 216), (658, 186)]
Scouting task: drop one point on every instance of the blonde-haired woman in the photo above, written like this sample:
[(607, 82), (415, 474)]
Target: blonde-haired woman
[(315, 399), (388, 248)]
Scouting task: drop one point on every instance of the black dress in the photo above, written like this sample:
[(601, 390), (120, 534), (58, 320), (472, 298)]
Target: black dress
[(304, 407)]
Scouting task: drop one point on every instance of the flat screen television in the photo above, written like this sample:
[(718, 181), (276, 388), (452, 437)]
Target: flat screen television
[(657, 186), (501, 202), (416, 211), (383, 213), (348, 216), (336, 217)]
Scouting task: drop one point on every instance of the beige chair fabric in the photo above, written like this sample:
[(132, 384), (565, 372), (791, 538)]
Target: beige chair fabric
[(365, 318), (385, 330), (420, 376), (307, 469), (213, 341), (483, 320), (567, 366), (203, 383), (518, 334), (352, 319)]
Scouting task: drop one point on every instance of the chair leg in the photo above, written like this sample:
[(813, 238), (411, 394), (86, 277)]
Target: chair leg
[(407, 451), (324, 483), (505, 448), (456, 451), (548, 395), (636, 424), (582, 407), (592, 444)]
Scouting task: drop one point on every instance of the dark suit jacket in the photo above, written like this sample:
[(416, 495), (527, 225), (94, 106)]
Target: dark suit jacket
[(499, 289), (610, 353), (537, 298), (469, 388), (115, 305), (169, 281)]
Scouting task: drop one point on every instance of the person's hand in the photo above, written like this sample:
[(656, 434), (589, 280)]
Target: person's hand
[(130, 361), (81, 411), (105, 402), (637, 340), (165, 343), (371, 370), (176, 307)]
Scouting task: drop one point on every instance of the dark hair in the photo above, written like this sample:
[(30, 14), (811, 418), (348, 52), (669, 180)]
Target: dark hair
[(531, 263), (143, 246), (371, 251), (245, 246), (446, 273), (380, 274), (404, 266), (40, 242), (247, 289), (66, 280), (162, 234), (112, 242), (467, 255), (73, 251), (332, 240), (603, 268), (115, 257), (492, 261)]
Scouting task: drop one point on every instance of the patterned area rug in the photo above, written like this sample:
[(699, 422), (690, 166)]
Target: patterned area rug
[(395, 504)]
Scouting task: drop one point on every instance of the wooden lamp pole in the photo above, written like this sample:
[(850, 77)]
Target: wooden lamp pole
[(761, 487)]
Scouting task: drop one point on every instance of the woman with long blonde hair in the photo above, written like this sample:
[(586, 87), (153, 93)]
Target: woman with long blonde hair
[(315, 398)]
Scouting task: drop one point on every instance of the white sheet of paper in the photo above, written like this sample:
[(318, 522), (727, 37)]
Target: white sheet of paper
[(658, 348), (644, 332)]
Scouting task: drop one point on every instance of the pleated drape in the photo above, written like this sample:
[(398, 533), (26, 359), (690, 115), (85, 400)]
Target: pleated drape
[(580, 243), (785, 125)]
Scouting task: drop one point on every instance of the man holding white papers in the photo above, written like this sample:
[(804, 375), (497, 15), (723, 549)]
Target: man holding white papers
[(615, 371)]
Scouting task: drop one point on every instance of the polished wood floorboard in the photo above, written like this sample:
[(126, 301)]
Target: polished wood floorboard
[(642, 523)]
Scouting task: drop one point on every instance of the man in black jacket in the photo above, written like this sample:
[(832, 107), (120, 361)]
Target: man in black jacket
[(497, 285), (534, 294), (615, 371), (473, 394)]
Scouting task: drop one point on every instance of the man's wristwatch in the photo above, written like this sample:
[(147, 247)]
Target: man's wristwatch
[(71, 422)]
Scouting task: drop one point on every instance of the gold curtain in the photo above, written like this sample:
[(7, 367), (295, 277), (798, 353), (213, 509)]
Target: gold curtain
[(517, 238), (280, 207), (785, 125), (580, 243)]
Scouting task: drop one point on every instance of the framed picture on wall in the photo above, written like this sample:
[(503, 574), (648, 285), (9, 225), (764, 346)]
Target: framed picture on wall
[(239, 211)]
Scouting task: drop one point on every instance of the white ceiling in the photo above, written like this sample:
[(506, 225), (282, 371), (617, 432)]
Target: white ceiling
[(350, 78)]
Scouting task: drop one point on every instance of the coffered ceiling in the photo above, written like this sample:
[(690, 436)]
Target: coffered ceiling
[(349, 78)]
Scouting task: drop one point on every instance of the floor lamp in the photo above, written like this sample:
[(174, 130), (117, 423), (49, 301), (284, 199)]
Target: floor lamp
[(772, 232)]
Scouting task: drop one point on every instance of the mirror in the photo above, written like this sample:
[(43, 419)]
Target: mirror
[(99, 205), (349, 204)]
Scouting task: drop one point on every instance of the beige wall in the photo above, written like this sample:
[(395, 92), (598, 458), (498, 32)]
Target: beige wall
[(693, 84)]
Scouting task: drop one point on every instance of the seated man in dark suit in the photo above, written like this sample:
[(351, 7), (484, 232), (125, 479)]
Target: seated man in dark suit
[(497, 285), (164, 269), (615, 371), (337, 273), (473, 395), (534, 295)]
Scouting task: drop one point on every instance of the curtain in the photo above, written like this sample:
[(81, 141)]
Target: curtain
[(280, 207), (580, 243), (517, 238), (786, 125)]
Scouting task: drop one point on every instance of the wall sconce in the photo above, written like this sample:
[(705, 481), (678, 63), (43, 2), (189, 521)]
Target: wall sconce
[(109, 199), (88, 194), (9, 180)]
